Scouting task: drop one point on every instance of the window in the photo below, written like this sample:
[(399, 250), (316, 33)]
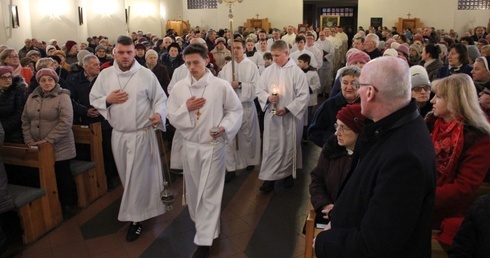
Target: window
[(473, 4), (202, 4), (340, 11)]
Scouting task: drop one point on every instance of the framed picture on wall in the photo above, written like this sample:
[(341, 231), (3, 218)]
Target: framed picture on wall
[(15, 16), (329, 21)]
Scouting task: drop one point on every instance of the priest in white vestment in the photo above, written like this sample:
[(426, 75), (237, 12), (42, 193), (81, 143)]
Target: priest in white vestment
[(130, 97), (244, 150), (282, 87), (197, 104)]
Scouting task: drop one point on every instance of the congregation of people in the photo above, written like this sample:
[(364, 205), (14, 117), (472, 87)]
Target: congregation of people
[(404, 127)]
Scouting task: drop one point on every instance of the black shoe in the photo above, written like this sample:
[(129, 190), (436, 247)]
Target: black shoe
[(288, 182), (201, 252), (134, 231), (250, 168), (229, 176), (267, 186)]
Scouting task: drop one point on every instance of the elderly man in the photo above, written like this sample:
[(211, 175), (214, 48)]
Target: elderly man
[(358, 43), (210, 38), (371, 43), (385, 208), (276, 35), (290, 37)]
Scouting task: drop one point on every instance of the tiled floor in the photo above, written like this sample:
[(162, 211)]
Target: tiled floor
[(252, 224)]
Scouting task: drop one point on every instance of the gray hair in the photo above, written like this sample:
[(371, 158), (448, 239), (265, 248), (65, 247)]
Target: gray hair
[(374, 37), (87, 58), (44, 62)]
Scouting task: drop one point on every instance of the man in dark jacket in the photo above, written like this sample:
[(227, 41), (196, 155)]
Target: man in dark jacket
[(385, 207)]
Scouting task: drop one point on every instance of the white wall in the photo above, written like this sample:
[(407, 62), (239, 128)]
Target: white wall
[(14, 37), (441, 14), (279, 12)]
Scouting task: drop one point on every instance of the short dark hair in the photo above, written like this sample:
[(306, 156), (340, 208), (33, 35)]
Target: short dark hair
[(124, 40), (240, 40), (267, 55), (299, 38), (175, 45), (433, 50), (462, 51), (227, 58), (305, 58), (196, 49), (469, 40)]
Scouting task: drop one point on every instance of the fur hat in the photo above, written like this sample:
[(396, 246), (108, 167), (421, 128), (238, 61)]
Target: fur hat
[(33, 53), (69, 44), (100, 47), (151, 52), (51, 41), (48, 47), (140, 46), (404, 49), (47, 72), (6, 69), (358, 57), (222, 40), (390, 52), (25, 61), (416, 48), (351, 116), (419, 76)]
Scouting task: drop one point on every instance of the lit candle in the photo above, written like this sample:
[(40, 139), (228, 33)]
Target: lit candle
[(275, 92)]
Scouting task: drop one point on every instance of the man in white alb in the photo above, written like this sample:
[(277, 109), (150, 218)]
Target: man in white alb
[(130, 97)]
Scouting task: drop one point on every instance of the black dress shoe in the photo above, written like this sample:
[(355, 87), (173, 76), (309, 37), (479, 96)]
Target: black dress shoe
[(134, 231), (229, 176), (267, 186), (288, 182), (201, 252), (250, 168)]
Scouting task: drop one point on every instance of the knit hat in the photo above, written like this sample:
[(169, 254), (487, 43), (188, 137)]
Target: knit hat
[(140, 46), (100, 47), (395, 45), (82, 54), (404, 49), (151, 52), (473, 52), (25, 61), (222, 40), (358, 57), (351, 51), (390, 52), (483, 41), (47, 72), (389, 42), (416, 48), (69, 44), (486, 62), (418, 37), (51, 41), (48, 47), (6, 69), (56, 58), (419, 76), (351, 116)]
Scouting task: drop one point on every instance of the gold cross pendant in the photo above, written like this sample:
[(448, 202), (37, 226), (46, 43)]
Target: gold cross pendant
[(198, 114)]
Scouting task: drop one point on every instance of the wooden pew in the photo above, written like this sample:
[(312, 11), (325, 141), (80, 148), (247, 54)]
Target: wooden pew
[(91, 184), (36, 219)]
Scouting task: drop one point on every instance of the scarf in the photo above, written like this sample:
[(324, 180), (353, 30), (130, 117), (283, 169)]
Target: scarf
[(250, 53), (448, 139)]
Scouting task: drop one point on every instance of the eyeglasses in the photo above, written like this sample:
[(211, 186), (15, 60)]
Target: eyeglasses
[(358, 85), (420, 88), (341, 128), (5, 78), (14, 56), (484, 92)]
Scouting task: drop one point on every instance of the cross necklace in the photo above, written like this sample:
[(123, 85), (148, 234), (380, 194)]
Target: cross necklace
[(198, 113)]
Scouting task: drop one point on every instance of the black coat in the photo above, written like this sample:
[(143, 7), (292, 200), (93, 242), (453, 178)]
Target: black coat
[(322, 125), (161, 73), (473, 237), (171, 65), (385, 207), (12, 101)]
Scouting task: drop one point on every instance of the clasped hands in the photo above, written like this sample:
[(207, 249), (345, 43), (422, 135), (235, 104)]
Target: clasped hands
[(325, 211)]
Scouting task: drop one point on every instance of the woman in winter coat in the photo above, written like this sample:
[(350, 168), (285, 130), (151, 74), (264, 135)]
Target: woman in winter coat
[(12, 100), (335, 160), (460, 133), (48, 117)]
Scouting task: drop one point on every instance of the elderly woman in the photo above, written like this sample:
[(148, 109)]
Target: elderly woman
[(335, 160), (481, 72), (322, 126), (12, 99), (415, 52), (10, 57), (45, 62), (461, 136), (457, 62), (421, 89), (48, 117), (158, 69), (172, 59)]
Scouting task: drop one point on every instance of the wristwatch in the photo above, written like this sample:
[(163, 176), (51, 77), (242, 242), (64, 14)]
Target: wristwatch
[(239, 85)]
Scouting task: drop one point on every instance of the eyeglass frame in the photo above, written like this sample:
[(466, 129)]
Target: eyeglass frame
[(358, 85), (13, 56), (6, 77), (341, 128), (420, 87)]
